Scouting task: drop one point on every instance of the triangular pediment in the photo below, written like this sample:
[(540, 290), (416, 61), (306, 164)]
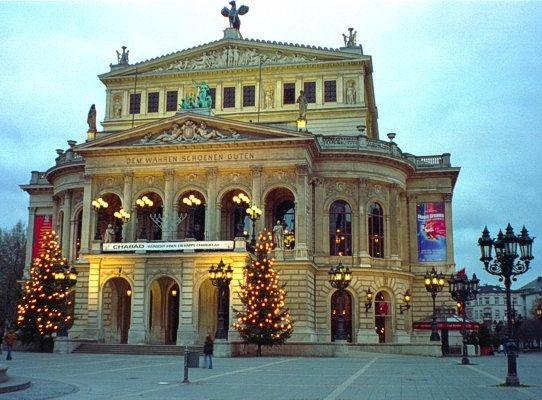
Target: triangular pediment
[(232, 53), (189, 129)]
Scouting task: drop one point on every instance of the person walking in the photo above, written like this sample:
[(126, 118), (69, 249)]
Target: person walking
[(208, 352), (10, 339)]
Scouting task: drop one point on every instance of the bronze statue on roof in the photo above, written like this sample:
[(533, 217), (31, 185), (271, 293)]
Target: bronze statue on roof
[(233, 14)]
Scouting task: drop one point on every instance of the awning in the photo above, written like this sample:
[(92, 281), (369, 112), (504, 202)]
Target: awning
[(446, 321)]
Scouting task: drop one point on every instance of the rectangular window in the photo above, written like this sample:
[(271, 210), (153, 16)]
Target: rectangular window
[(487, 300), (249, 98), (212, 93), (310, 91), (289, 93), (330, 91), (171, 100), (135, 103), (229, 97), (152, 103)]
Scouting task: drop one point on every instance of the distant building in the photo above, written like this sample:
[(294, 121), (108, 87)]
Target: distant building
[(490, 304), (531, 294)]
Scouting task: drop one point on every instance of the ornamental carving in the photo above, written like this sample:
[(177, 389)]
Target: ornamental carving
[(372, 190), (188, 132), (279, 177), (109, 183), (339, 187), (148, 182), (233, 56), (225, 180)]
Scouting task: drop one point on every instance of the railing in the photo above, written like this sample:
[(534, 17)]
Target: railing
[(363, 143), (68, 156)]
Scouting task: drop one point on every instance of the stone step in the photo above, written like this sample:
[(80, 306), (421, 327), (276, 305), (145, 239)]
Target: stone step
[(144, 349)]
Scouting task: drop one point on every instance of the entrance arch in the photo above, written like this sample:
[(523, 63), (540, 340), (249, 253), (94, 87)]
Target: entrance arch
[(383, 318), (116, 310), (341, 305), (163, 311)]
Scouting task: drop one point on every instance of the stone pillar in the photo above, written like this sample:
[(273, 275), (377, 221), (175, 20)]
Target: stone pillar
[(412, 226), (363, 232), (211, 225), (449, 230), (29, 242), (66, 224), (320, 230), (394, 226), (256, 197), (186, 334), (168, 217), (93, 317), (88, 217), (128, 227), (302, 201), (138, 320)]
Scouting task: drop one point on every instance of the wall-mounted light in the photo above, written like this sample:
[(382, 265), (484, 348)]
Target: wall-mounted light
[(174, 293), (406, 299), (369, 300), (128, 293)]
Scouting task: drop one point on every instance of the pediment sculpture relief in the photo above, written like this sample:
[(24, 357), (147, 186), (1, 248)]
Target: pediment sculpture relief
[(233, 56), (188, 132)]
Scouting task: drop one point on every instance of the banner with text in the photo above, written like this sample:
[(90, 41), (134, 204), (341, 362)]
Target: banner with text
[(431, 232), (42, 224), (169, 246)]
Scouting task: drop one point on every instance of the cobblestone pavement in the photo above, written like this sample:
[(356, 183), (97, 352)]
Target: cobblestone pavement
[(370, 376)]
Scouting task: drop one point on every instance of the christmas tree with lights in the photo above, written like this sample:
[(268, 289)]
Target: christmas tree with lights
[(265, 320), (43, 307)]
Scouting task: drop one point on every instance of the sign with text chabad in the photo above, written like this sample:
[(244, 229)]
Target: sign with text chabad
[(169, 246)]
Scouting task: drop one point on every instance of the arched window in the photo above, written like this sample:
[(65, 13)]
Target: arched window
[(376, 231), (340, 229)]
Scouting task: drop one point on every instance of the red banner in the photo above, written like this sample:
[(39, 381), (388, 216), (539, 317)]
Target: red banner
[(42, 224)]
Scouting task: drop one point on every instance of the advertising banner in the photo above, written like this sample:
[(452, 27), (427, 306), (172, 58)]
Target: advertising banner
[(169, 246), (431, 232), (42, 224)]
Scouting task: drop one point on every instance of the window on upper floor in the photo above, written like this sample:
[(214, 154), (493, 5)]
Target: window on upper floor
[(309, 89), (289, 93), (249, 96), (171, 100), (376, 231), (228, 101), (340, 229), (212, 93), (486, 300), (152, 102), (135, 103), (330, 91), (514, 300)]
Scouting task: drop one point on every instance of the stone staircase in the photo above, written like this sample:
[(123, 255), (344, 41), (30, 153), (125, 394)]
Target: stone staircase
[(135, 349)]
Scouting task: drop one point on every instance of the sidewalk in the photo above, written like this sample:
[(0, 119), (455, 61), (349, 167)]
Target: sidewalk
[(371, 376)]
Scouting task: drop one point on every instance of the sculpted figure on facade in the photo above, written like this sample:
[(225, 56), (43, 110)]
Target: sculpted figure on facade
[(268, 97), (350, 92), (109, 236), (117, 107), (350, 40), (233, 14), (278, 235), (303, 103), (91, 118), (188, 132)]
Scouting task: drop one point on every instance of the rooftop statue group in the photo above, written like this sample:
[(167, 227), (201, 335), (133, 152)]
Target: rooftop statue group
[(233, 14), (202, 100)]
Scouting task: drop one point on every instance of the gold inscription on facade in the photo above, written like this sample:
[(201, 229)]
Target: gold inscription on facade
[(189, 158)]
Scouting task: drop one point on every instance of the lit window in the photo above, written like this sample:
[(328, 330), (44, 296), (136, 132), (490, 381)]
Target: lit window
[(376, 231), (340, 229)]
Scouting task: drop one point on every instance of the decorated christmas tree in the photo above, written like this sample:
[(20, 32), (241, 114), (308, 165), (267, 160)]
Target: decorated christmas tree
[(43, 308), (265, 320)]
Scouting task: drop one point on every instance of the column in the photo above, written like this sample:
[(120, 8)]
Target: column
[(363, 233), (256, 195), (128, 227), (449, 230), (395, 223), (211, 225), (88, 218), (412, 227), (320, 230), (93, 316), (29, 241), (138, 318), (168, 218), (66, 224), (302, 224)]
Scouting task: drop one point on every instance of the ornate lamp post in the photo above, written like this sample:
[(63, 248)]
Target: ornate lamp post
[(221, 277), (242, 201), (434, 282), (339, 278), (254, 213), (191, 202), (99, 205), (145, 203), (503, 266), (123, 216), (65, 277), (462, 290)]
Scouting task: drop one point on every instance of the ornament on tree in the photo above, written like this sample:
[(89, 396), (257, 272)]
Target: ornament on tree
[(265, 321)]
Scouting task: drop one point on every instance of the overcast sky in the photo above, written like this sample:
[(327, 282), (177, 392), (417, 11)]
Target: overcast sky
[(450, 77)]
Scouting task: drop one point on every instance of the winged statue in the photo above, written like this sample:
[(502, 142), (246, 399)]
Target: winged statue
[(233, 14)]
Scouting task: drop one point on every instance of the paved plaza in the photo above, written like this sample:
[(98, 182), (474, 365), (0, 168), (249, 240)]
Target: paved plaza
[(369, 376)]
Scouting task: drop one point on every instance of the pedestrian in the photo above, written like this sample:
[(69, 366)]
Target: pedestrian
[(10, 339), (208, 352)]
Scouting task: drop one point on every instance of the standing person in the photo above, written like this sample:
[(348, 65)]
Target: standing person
[(208, 352), (10, 339)]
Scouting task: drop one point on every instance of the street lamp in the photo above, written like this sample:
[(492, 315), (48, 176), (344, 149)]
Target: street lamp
[(65, 277), (221, 277), (369, 300), (123, 216), (462, 290), (339, 278), (145, 203), (503, 266), (254, 213), (191, 202), (406, 299), (434, 282), (242, 201), (99, 205)]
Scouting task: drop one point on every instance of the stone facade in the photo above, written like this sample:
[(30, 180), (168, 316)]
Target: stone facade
[(343, 194)]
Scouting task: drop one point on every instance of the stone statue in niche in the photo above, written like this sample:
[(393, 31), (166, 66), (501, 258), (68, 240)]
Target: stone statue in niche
[(268, 97), (350, 92), (109, 236), (117, 107), (278, 235)]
